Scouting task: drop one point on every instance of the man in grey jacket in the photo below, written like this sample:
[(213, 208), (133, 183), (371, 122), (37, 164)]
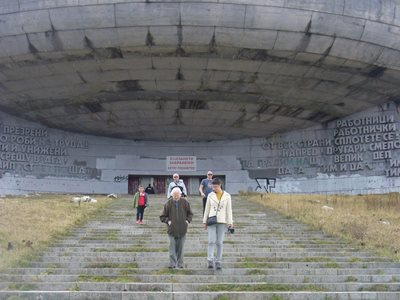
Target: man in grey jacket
[(177, 214)]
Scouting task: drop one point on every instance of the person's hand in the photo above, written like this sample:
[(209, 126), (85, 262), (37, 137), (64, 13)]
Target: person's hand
[(169, 223), (187, 222), (203, 195), (230, 225), (205, 226)]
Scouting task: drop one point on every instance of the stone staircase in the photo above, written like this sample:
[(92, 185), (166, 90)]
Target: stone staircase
[(268, 257)]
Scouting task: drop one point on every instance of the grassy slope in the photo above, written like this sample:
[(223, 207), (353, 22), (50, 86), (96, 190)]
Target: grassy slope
[(357, 218)]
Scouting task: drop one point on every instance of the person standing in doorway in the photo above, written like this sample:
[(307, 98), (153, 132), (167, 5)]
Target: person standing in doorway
[(205, 188), (149, 189), (177, 214), (218, 204), (177, 183), (140, 203)]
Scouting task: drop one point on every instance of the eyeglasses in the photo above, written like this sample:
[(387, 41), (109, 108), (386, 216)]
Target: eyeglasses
[(209, 174)]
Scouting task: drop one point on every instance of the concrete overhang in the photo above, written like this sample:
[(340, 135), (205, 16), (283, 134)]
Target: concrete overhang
[(195, 70)]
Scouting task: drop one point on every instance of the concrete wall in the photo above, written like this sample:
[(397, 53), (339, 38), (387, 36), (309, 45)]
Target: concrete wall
[(359, 154)]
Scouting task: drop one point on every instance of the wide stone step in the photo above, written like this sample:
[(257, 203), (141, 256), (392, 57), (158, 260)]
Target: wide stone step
[(126, 295), (108, 270), (225, 286), (212, 277)]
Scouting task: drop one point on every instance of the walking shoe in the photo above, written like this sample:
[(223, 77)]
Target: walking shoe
[(171, 267), (218, 265), (180, 266), (137, 221), (210, 264), (141, 222)]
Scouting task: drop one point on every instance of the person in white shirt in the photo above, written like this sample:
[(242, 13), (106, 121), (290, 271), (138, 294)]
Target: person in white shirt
[(177, 183)]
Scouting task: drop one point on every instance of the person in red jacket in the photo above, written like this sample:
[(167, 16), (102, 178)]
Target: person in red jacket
[(140, 203)]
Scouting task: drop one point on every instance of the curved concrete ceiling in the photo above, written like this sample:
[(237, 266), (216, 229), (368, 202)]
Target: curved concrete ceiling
[(196, 70)]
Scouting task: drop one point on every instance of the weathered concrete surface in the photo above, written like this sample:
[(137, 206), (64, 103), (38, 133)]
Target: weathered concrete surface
[(196, 70), (111, 257)]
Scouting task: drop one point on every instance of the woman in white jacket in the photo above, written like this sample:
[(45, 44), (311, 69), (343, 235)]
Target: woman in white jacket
[(218, 204)]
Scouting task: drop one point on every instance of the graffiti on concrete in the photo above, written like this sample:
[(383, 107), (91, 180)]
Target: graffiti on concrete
[(265, 183), (121, 178)]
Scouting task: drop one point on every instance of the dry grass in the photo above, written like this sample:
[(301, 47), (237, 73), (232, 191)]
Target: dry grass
[(39, 219), (357, 218)]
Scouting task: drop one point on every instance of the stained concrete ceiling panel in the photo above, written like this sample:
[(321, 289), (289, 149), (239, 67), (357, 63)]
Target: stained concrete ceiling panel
[(148, 85), (366, 96), (275, 18), (14, 45), (338, 25), (336, 88), (265, 79), (82, 17), (327, 74), (330, 6), (195, 35), (25, 72), (281, 68), (143, 14), (22, 85), (45, 42), (246, 38), (132, 36), (310, 58), (165, 74), (356, 50), (279, 3), (102, 37), (290, 41), (391, 76), (318, 44), (216, 76), (106, 76), (241, 65), (376, 10), (9, 6), (163, 36), (142, 74), (8, 77), (193, 75), (193, 63), (59, 80), (356, 64), (24, 22), (390, 58), (206, 14), (87, 66), (385, 88), (132, 63), (72, 39), (383, 34), (166, 62), (334, 61), (241, 77)]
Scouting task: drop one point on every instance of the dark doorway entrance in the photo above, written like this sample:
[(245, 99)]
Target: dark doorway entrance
[(133, 184), (159, 184)]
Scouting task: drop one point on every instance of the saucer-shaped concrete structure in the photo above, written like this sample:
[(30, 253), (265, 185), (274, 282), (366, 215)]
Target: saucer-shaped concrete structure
[(196, 70)]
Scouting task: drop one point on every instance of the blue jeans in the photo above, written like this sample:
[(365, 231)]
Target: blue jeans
[(216, 235)]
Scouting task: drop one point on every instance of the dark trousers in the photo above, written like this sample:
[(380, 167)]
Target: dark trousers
[(204, 204), (140, 212)]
